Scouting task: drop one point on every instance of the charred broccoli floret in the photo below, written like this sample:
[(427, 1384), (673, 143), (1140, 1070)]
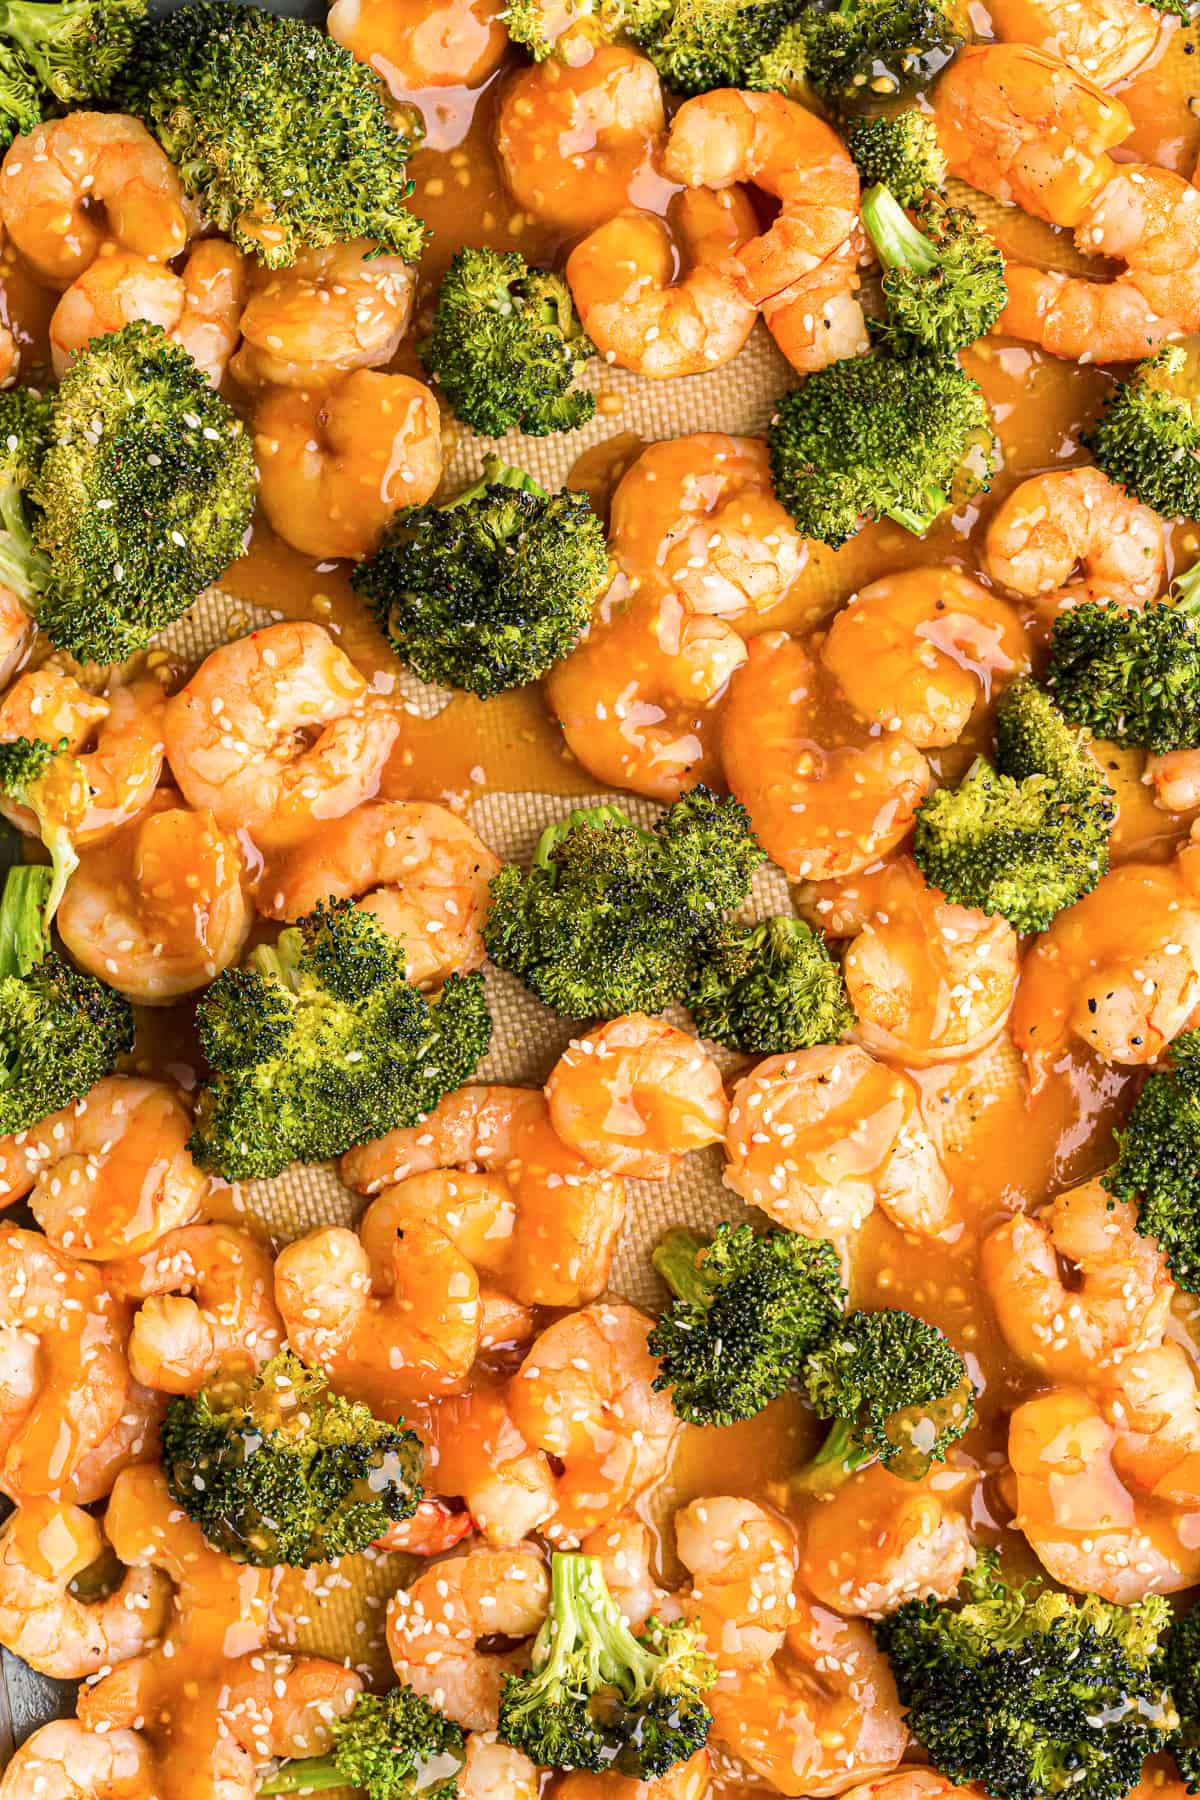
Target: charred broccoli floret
[(73, 49), (1181, 1671), (390, 1747), (767, 988), (489, 591), (1148, 435), (943, 277), (1158, 1161), (747, 1311), (899, 151), (608, 918), (861, 49)]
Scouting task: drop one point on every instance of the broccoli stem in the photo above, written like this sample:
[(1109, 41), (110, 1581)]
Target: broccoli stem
[(936, 502), (897, 241), (280, 961), (311, 1774), (584, 1613), (835, 1462), (24, 940), (675, 1260), (22, 568), (1185, 590)]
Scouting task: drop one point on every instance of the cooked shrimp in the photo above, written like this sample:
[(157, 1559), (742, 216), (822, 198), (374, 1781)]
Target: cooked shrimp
[(624, 1548), (16, 633), (819, 319), (200, 308), (71, 184), (1052, 526), (66, 1760), (277, 732), (418, 867), (132, 1440), (818, 1138), (477, 1453), (726, 136), (537, 1217), (578, 144), (413, 44), (881, 1541), (434, 1629), (585, 1395), (495, 1771), (687, 1781), (1120, 1298), (1175, 778), (45, 1547), (433, 1529), (158, 910), (659, 296), (825, 797), (918, 651), (109, 1173), (916, 1784), (1154, 1402), (743, 1567), (418, 1337), (335, 463), (1106, 40), (339, 308)]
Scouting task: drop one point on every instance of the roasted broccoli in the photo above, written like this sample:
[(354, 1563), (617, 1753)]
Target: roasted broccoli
[(489, 591), (879, 436), (943, 277), (1181, 1671), (598, 1697), (274, 1468), (1028, 837), (506, 346), (390, 1747), (609, 917), (861, 49), (73, 49), (123, 496), (1132, 674), (700, 44), (1028, 1692), (1148, 435), (320, 1043), (1158, 1161), (766, 988), (52, 785), (747, 1311), (899, 151), (61, 1031), (283, 136), (897, 1391)]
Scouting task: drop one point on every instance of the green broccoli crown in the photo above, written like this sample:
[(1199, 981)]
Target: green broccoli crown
[(608, 918), (1131, 675), (900, 151), (282, 135), (74, 48), (54, 787), (392, 1747), (598, 1697), (697, 45), (1158, 1161), (278, 1469), (506, 346), (747, 1311), (879, 436), (897, 1391), (488, 592), (861, 49), (1181, 1671), (943, 277), (321, 1043), (61, 1030), (1028, 1692), (767, 988), (1025, 839), (1147, 438)]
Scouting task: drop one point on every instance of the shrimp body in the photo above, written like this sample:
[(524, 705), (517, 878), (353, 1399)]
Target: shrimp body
[(72, 1763), (742, 1561), (417, 867), (921, 1784), (133, 1440), (819, 319), (1106, 41), (201, 308), (16, 630), (236, 734), (1074, 535), (1175, 778), (882, 1541), (413, 44), (479, 1454), (687, 1781), (495, 1771), (1154, 1402), (336, 309)]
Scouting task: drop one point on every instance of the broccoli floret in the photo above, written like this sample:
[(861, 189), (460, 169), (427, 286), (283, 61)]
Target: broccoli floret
[(20, 96), (943, 277), (538, 24), (879, 437), (609, 916), (283, 136), (897, 1391), (321, 1043), (598, 1697), (1132, 675), (53, 786), (391, 1747), (1028, 837), (1031, 1693), (61, 1031), (747, 1311), (900, 151), (506, 346), (862, 49), (1181, 1671), (697, 45), (1148, 435), (1158, 1161), (488, 592), (74, 48), (767, 988)]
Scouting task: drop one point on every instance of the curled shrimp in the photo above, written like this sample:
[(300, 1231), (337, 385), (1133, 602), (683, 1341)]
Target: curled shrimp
[(633, 1096), (238, 735), (819, 319), (658, 296), (881, 1541), (200, 308), (918, 651), (686, 1781), (45, 1547), (478, 1217), (1107, 40), (585, 1394), (476, 1452), (1074, 535), (335, 309), (578, 144), (335, 463), (206, 1305), (825, 798), (133, 1440), (72, 1763), (742, 1561), (417, 867), (158, 909), (413, 44), (819, 1137), (109, 1173), (71, 184), (435, 1627)]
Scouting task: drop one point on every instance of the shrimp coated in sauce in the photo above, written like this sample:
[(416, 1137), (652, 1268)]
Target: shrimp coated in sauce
[(336, 309), (200, 308), (1073, 535), (881, 1541), (477, 1453), (742, 1561), (819, 319), (1107, 40), (416, 44), (72, 1763), (687, 1781)]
